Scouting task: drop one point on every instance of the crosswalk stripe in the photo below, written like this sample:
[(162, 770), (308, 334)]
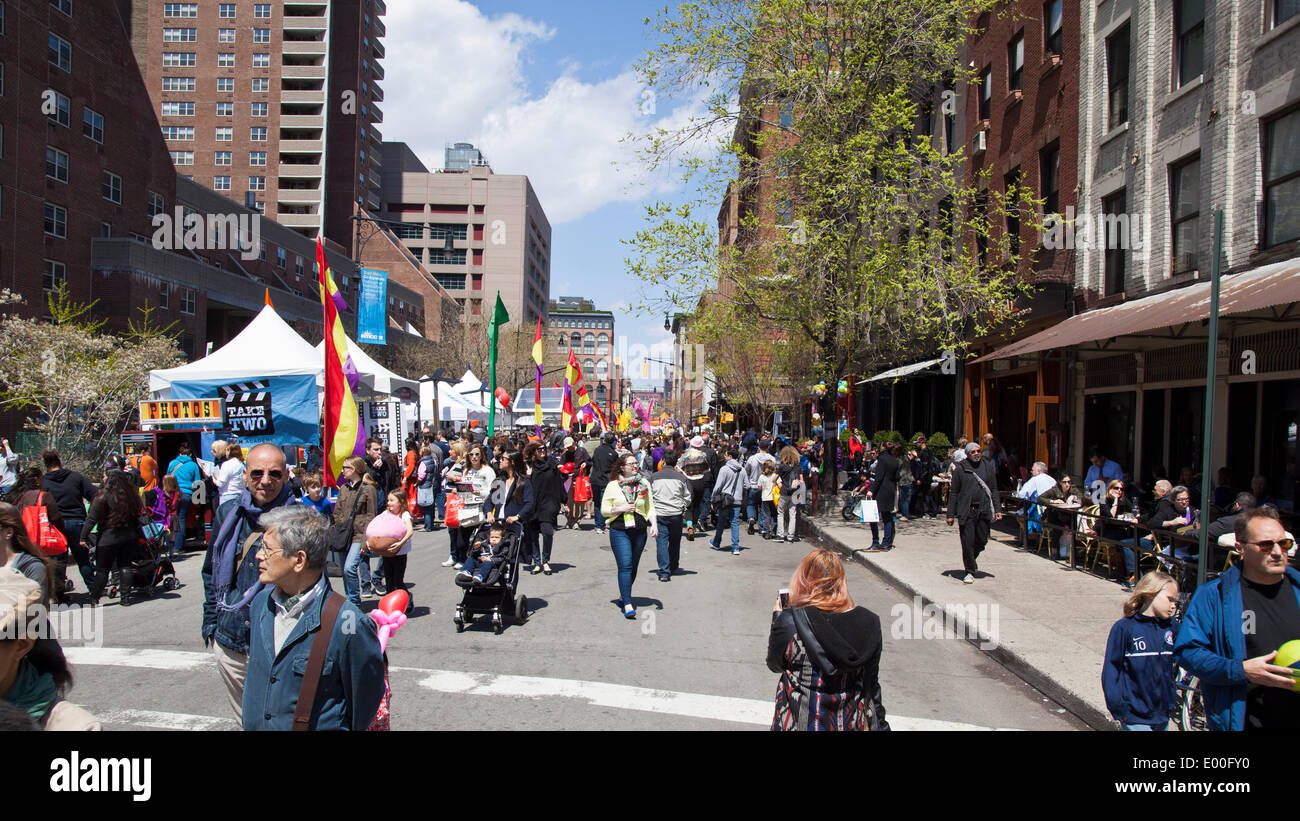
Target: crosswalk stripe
[(596, 693)]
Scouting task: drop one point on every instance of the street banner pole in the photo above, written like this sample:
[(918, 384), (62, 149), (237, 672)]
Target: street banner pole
[(1207, 435)]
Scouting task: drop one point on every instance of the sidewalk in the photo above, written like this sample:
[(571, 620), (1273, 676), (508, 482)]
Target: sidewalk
[(1052, 622)]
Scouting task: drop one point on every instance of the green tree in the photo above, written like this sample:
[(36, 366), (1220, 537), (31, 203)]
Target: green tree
[(854, 233)]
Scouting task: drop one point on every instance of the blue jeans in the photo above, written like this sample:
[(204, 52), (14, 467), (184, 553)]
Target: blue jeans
[(905, 501), (706, 497), (668, 543), (441, 501), (1147, 728), (477, 567), (886, 519), (538, 537), (428, 518), (1130, 555), (627, 546), (182, 516), (753, 503), (597, 493), (356, 574), (728, 516)]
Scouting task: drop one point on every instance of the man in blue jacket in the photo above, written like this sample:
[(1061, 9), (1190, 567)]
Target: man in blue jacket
[(1234, 626), (186, 471), (230, 571), (287, 617)]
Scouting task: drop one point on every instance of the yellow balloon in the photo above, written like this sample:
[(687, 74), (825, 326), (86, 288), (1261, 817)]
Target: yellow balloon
[(1288, 655)]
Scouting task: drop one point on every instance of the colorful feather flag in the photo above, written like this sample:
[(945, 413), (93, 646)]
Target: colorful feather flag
[(571, 373), (499, 318), (537, 389), (343, 434)]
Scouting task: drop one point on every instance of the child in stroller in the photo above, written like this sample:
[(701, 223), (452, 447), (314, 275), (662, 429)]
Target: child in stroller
[(483, 555), (491, 577)]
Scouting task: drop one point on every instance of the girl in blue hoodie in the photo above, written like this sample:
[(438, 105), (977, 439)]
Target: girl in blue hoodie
[(1138, 677)]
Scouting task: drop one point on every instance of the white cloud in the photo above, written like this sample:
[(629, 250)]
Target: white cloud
[(453, 73)]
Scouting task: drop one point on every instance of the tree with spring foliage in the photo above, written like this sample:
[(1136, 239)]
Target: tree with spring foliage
[(79, 384), (852, 230)]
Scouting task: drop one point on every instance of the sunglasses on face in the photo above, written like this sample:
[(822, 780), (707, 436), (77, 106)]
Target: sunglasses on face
[(1267, 545), (274, 475)]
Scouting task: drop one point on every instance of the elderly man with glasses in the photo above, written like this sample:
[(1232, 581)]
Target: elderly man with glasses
[(314, 661), (230, 570), (1234, 626)]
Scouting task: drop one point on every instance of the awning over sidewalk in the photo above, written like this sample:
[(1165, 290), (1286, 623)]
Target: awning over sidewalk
[(1276, 284), (899, 373)]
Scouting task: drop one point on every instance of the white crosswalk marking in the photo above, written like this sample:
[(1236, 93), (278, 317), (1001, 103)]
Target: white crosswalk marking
[(599, 694)]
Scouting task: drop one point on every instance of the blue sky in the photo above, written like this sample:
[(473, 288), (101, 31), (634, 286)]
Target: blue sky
[(545, 89)]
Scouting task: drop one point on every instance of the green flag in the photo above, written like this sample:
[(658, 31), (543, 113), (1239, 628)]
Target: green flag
[(499, 318)]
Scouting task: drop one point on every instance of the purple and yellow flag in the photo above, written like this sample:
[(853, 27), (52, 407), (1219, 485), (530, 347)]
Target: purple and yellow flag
[(343, 435)]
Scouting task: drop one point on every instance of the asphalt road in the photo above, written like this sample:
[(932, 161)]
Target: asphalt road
[(693, 661)]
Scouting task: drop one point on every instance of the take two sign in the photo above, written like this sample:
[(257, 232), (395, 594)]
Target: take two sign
[(207, 412), (248, 408)]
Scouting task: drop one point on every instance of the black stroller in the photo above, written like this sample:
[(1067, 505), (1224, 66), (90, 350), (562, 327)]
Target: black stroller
[(495, 595), (152, 565)]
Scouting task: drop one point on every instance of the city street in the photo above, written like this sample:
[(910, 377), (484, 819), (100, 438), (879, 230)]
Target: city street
[(694, 661)]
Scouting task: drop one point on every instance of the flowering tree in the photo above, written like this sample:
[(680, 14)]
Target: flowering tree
[(79, 383)]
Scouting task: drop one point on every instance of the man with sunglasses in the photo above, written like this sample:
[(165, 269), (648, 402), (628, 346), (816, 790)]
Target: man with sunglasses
[(1234, 626), (230, 568)]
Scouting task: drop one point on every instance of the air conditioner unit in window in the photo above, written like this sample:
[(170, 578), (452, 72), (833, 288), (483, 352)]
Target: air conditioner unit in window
[(981, 141)]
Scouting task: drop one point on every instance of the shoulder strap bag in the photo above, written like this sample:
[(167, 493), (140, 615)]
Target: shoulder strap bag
[(315, 663), (340, 535)]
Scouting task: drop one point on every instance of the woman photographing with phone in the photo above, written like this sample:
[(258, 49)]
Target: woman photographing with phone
[(630, 510), (827, 652)]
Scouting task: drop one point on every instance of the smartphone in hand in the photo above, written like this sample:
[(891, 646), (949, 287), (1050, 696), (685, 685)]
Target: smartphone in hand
[(784, 595)]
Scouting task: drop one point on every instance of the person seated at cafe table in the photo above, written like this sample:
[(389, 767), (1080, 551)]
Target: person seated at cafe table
[(1039, 483), (1116, 512), (1062, 495), (1174, 512)]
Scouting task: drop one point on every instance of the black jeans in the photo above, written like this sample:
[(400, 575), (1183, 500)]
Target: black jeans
[(974, 536), (886, 519), (80, 554), (395, 572), (536, 533), (109, 555), (922, 501)]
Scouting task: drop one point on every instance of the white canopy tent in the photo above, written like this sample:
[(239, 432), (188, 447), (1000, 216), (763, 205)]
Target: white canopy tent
[(267, 347), (381, 380)]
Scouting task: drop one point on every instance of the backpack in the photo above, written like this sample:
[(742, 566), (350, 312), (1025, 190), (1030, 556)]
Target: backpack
[(133, 470)]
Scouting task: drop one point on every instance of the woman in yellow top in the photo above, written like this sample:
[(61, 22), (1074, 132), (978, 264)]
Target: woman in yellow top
[(629, 510)]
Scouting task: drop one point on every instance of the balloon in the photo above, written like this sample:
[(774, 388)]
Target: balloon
[(388, 624), (395, 602), (1288, 655)]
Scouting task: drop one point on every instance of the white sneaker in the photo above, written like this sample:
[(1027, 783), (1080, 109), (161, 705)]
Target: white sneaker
[(969, 579), (449, 563), (458, 565)]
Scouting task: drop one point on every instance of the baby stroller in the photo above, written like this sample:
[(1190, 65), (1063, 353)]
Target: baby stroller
[(152, 567), (495, 595)]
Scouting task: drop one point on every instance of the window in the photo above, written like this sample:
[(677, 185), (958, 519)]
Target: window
[(602, 370), (1282, 179), (452, 282), (225, 109), (1117, 68), (178, 84), (602, 344), (409, 231), (257, 134), (174, 109), (588, 366), (259, 109), (225, 134), (226, 11), (257, 158), (257, 183), (1012, 182), (226, 60), (1283, 10), (1049, 179), (297, 266), (261, 84), (1184, 213), (181, 133), (56, 164), (986, 94), (180, 35), (183, 157), (187, 300), (64, 6), (60, 53), (56, 220), (54, 275), (180, 9), (262, 10), (1114, 207), (62, 110), (280, 257), (261, 61), (92, 125), (164, 295), (225, 35), (106, 229), (559, 341), (786, 113), (225, 84), (110, 187), (1016, 63), (443, 231), (1189, 40), (178, 59), (1053, 37), (441, 256), (222, 158), (261, 35), (157, 204), (221, 183), (589, 343), (575, 341)]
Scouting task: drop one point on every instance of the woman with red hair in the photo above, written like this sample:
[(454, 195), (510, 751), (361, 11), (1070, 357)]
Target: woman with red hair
[(827, 651)]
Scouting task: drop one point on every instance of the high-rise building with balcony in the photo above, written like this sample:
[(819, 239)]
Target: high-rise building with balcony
[(258, 99)]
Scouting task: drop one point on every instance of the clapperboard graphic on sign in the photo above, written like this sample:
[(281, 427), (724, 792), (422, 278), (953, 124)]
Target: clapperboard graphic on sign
[(248, 408)]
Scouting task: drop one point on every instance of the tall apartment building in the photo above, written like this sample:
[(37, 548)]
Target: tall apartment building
[(476, 232), (1022, 120), (577, 326), (271, 103)]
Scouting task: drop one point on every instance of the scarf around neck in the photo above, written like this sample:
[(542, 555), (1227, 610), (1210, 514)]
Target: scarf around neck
[(225, 546), (32, 691)]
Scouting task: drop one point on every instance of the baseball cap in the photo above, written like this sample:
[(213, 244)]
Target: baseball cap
[(568, 441)]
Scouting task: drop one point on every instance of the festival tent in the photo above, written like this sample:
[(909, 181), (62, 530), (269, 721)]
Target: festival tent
[(453, 406), (381, 380), (267, 375)]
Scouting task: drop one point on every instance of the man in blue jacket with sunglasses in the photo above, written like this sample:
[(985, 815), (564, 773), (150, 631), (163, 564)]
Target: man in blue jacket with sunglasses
[(1234, 626)]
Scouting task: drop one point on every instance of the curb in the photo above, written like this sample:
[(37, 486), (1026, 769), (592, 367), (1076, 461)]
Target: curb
[(1013, 661)]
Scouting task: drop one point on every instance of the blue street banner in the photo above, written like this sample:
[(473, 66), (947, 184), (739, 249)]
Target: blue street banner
[(372, 323), (282, 410)]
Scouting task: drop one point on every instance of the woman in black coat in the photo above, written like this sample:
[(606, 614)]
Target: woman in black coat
[(884, 489), (116, 512), (549, 497)]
